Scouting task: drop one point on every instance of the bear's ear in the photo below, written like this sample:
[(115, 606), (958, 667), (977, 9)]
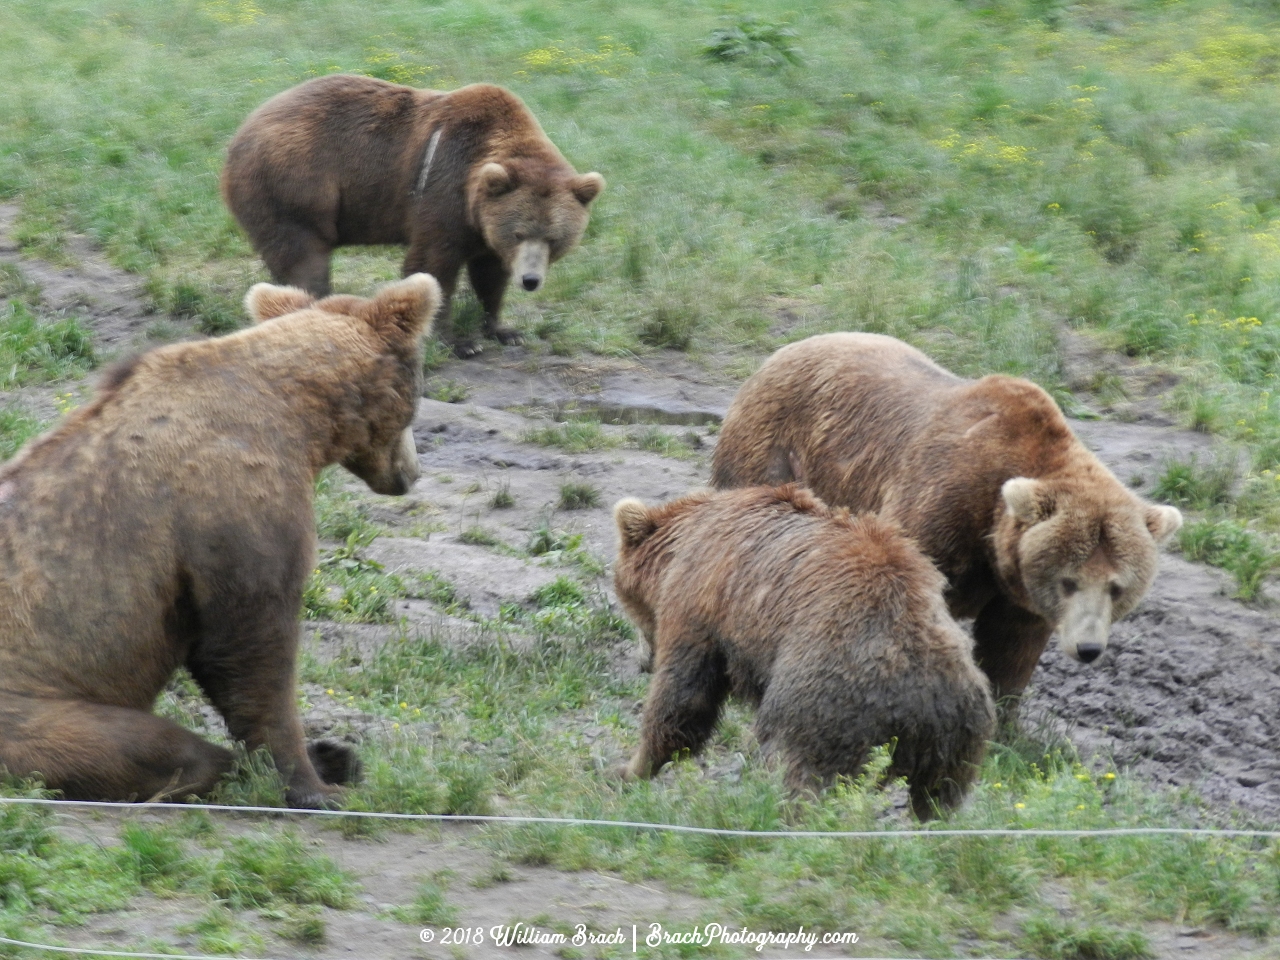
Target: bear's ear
[(495, 179), (404, 307), (635, 523), (1026, 499), (1163, 522), (265, 301), (587, 187)]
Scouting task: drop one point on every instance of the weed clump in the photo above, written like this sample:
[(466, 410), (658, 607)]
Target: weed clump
[(753, 40), (578, 496)]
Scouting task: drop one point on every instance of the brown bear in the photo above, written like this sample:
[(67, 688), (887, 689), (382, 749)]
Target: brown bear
[(463, 178), (1032, 532), (834, 627), (168, 522)]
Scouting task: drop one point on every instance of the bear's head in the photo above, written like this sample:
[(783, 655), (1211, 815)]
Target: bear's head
[(378, 343), (1080, 557), (531, 214), (645, 538)]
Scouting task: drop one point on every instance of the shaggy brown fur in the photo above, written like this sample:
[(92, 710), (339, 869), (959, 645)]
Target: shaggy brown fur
[(169, 523), (1031, 530), (463, 178), (832, 626)]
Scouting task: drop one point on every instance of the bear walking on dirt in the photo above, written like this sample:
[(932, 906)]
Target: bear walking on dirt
[(168, 523), (1032, 532), (466, 177), (834, 627)]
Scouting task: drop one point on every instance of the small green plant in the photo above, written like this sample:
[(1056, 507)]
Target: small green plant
[(339, 513), (220, 931), (671, 326), (156, 856), (478, 537), (657, 440), (435, 354), (1231, 545), (214, 314), (299, 925), (1193, 485), (433, 586), (751, 39), (16, 428), (578, 496), (254, 781), (349, 587), (34, 351), (1055, 939), (429, 906), (559, 546), (446, 391), (263, 870), (576, 436), (502, 498)]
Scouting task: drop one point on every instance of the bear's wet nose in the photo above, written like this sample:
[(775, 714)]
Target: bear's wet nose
[(531, 281), (1089, 652)]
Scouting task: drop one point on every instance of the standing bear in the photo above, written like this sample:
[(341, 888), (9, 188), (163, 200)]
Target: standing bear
[(168, 523), (834, 627), (1032, 532), (463, 178)]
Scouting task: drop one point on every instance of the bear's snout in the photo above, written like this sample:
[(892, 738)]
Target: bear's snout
[(531, 281), (1089, 652)]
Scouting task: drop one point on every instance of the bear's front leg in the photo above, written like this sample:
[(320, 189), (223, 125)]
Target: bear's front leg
[(1007, 643), (443, 262), (489, 279), (688, 689), (245, 662)]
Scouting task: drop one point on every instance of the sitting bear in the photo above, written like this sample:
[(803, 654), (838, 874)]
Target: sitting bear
[(168, 523), (1032, 532), (834, 627), (466, 177)]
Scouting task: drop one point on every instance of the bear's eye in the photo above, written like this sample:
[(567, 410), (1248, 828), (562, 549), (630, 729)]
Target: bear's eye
[(520, 237), (1069, 586), (1117, 592)]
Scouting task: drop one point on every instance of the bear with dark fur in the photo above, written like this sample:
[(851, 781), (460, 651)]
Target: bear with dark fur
[(168, 523), (464, 178), (833, 626), (1032, 532)]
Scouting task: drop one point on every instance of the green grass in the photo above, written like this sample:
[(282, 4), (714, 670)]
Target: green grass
[(446, 391), (503, 498), (36, 351), (578, 496), (1228, 530), (970, 177), (49, 880), (430, 906), (16, 428), (576, 436)]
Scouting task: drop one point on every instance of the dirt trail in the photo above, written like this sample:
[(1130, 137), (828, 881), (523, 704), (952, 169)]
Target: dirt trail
[(1186, 694)]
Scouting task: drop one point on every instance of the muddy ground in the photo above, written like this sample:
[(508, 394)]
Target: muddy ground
[(1186, 693)]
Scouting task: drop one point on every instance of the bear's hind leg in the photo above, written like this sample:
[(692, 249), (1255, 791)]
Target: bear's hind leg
[(689, 685), (297, 256), (92, 751)]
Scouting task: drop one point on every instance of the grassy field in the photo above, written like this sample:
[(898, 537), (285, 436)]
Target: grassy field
[(974, 177)]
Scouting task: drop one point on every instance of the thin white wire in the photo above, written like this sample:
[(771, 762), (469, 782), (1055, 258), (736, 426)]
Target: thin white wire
[(586, 822), (645, 825)]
